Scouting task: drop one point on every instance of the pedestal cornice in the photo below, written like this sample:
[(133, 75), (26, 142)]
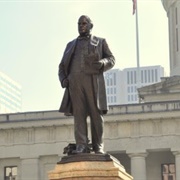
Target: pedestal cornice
[(88, 168)]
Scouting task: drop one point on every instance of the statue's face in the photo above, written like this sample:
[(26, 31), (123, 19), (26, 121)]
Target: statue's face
[(84, 27)]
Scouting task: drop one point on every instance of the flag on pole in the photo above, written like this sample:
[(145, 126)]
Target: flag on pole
[(134, 6)]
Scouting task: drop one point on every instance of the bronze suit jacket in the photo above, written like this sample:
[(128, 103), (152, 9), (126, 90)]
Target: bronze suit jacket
[(99, 46)]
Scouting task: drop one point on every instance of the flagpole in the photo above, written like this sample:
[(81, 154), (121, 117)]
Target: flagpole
[(137, 49)]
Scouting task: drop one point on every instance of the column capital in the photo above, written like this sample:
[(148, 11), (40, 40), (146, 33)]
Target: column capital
[(138, 165), (143, 154), (176, 153), (177, 162)]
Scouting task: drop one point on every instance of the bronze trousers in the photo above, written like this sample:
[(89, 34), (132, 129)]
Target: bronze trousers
[(84, 103)]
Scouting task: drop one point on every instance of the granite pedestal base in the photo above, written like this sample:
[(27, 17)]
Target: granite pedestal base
[(89, 167)]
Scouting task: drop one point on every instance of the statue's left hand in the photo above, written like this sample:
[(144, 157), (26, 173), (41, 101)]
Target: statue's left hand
[(97, 64), (65, 83)]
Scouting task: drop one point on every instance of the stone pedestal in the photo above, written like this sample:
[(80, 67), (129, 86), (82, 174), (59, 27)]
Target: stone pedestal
[(89, 167)]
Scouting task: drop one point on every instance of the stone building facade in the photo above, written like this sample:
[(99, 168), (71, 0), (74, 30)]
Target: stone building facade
[(144, 137)]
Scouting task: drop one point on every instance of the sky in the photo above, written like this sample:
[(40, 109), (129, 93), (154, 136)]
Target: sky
[(34, 34)]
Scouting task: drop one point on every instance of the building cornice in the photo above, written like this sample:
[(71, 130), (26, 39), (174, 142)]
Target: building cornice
[(129, 112)]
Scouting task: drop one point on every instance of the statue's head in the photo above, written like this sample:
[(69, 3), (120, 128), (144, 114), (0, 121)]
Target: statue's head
[(84, 25)]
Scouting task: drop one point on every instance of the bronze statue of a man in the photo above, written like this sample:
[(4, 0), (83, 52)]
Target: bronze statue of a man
[(81, 73)]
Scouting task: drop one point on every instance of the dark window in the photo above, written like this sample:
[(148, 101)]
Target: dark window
[(149, 76), (114, 90), (168, 172), (114, 79), (132, 77), (156, 75), (107, 81), (177, 43), (145, 74), (111, 99), (142, 79), (114, 99), (128, 78), (177, 38), (152, 75), (108, 99), (10, 173), (135, 77), (107, 90)]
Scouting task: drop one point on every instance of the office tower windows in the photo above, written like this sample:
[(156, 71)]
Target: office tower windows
[(123, 84), (10, 95)]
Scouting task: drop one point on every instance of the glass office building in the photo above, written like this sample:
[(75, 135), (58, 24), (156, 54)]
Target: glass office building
[(10, 95)]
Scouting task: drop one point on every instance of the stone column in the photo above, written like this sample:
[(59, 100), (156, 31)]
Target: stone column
[(138, 166), (177, 164), (30, 169)]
